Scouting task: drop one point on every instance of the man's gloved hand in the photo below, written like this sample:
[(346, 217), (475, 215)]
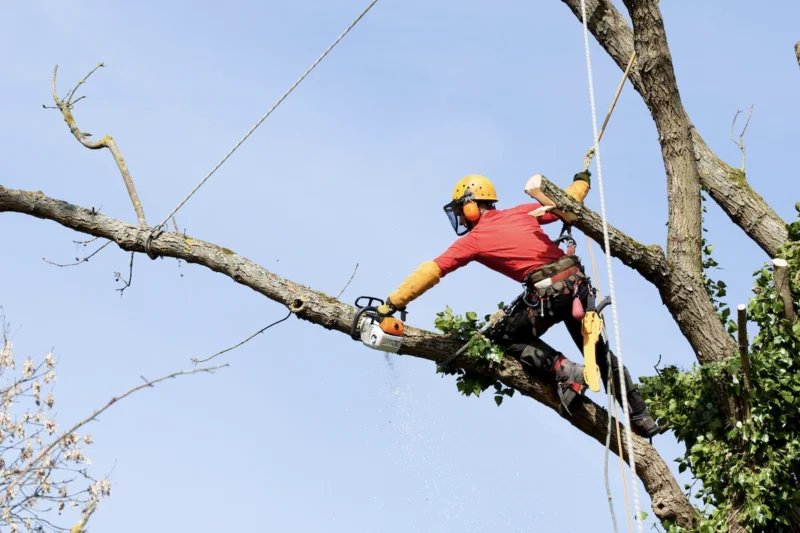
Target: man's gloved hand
[(496, 317), (584, 175), (387, 309)]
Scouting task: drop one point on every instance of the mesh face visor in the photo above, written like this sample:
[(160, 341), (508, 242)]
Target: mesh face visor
[(453, 211)]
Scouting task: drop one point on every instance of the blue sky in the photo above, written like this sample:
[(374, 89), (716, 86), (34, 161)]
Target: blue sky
[(308, 430)]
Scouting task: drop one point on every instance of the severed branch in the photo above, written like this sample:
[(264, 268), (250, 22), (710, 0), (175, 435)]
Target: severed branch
[(783, 288), (4, 494), (740, 141), (66, 106), (669, 502), (649, 261)]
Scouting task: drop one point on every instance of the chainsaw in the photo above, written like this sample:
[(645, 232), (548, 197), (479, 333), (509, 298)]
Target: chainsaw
[(379, 333)]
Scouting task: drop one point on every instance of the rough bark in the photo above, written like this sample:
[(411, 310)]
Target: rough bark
[(669, 502), (726, 186), (663, 98)]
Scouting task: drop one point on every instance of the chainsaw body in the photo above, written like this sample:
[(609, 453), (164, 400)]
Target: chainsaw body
[(384, 334)]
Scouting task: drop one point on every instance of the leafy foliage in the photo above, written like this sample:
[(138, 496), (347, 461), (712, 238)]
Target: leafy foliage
[(751, 467), (716, 289), (480, 347)]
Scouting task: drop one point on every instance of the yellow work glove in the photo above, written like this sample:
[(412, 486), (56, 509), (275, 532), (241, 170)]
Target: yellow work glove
[(423, 278), (580, 186)]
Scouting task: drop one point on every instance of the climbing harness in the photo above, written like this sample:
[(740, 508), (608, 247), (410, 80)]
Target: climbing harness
[(623, 392), (152, 235)]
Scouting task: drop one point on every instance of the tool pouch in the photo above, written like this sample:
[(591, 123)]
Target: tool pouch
[(551, 269)]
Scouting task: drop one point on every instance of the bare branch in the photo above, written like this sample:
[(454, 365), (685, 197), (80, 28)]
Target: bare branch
[(73, 429), (89, 241), (68, 100), (79, 261), (106, 142), (740, 142), (348, 282), (262, 330), (118, 277), (326, 311)]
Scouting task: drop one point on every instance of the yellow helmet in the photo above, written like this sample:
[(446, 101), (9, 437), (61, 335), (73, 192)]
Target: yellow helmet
[(468, 190), (480, 187)]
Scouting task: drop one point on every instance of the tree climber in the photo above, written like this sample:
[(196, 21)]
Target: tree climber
[(512, 242)]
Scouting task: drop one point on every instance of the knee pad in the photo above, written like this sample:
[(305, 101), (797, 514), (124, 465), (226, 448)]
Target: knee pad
[(538, 358)]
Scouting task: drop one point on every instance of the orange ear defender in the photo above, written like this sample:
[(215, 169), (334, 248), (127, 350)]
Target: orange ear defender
[(471, 211)]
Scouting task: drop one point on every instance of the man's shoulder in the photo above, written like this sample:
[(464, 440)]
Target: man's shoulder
[(521, 208)]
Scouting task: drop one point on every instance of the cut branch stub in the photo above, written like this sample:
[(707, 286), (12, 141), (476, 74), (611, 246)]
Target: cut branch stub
[(745, 356), (783, 288), (534, 189)]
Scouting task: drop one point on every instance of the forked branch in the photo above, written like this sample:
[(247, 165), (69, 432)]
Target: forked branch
[(740, 141), (66, 106)]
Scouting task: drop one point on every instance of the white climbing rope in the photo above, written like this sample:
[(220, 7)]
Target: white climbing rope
[(624, 394)]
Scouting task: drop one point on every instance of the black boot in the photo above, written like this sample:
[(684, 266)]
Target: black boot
[(641, 421)]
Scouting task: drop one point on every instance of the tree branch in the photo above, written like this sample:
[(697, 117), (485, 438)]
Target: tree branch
[(797, 51), (669, 502), (726, 185), (740, 141), (66, 107)]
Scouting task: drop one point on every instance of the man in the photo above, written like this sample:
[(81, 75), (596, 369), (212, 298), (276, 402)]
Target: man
[(512, 242)]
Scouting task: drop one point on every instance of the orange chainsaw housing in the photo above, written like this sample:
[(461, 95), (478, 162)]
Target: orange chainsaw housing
[(392, 326)]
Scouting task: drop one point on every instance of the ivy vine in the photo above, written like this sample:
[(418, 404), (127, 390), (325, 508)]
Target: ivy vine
[(751, 467)]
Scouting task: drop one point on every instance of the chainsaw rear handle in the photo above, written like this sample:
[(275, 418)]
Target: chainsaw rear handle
[(603, 303)]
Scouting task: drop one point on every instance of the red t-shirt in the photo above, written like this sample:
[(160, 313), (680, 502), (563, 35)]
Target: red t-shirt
[(508, 241)]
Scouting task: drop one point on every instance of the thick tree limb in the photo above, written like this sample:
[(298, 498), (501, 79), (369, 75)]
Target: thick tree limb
[(669, 502), (726, 185), (65, 106), (684, 235)]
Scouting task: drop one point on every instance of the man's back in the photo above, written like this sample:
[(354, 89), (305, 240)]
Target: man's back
[(508, 241)]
